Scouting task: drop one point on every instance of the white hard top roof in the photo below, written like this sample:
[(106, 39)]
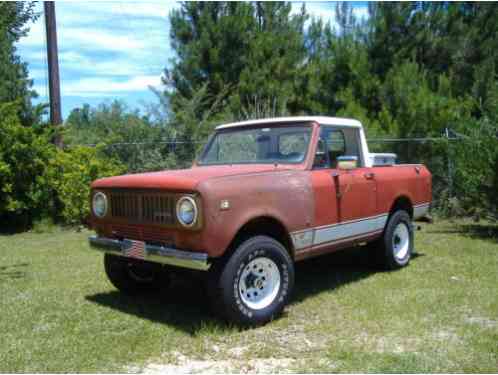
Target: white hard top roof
[(338, 121)]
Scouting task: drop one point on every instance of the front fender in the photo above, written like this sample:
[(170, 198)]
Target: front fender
[(286, 196)]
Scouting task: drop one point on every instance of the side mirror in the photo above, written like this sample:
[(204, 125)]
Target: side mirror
[(347, 162)]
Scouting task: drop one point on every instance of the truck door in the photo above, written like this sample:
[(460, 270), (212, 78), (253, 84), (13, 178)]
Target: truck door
[(343, 198), (358, 199)]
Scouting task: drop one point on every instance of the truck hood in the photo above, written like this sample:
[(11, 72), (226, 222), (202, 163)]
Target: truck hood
[(182, 179)]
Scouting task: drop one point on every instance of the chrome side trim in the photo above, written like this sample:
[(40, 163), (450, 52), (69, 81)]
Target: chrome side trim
[(420, 210), (302, 239), (154, 253)]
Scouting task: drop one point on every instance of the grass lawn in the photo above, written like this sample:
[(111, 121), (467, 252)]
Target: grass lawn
[(60, 314)]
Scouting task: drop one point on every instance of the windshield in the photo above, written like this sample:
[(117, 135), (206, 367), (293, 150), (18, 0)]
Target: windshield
[(256, 145)]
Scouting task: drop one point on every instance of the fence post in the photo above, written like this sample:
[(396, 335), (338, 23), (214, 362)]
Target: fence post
[(450, 166)]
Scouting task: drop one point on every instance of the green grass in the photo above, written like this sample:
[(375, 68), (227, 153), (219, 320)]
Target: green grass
[(440, 314)]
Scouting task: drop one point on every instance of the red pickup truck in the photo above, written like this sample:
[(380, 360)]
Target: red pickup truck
[(261, 196)]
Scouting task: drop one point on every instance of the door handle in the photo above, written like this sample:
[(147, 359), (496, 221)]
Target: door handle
[(369, 175)]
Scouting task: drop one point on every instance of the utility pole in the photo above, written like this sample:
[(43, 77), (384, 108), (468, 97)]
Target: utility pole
[(53, 69)]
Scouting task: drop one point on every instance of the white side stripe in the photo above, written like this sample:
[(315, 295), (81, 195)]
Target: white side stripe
[(338, 232), (420, 210), (319, 235), (335, 232)]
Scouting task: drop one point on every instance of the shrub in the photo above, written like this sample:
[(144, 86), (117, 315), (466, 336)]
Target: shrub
[(71, 173), (24, 155), (475, 173)]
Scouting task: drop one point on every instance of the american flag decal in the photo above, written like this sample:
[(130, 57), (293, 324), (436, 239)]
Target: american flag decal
[(134, 249)]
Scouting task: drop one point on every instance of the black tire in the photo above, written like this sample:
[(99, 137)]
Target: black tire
[(135, 277), (389, 255), (224, 283)]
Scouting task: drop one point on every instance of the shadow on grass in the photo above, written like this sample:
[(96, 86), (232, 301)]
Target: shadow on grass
[(484, 231), (186, 306), (14, 271), (332, 271)]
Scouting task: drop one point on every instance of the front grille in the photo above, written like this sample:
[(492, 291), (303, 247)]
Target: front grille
[(143, 207), (143, 233)]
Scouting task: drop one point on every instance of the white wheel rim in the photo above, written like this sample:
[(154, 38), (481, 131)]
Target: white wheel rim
[(259, 283), (401, 241)]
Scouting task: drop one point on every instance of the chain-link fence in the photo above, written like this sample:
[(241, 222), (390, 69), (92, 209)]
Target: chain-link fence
[(435, 153)]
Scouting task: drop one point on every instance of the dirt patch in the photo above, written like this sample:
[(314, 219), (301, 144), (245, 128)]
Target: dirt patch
[(386, 344), (483, 322), (447, 336), (186, 365)]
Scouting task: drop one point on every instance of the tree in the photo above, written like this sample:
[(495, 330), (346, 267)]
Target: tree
[(245, 50), (15, 84)]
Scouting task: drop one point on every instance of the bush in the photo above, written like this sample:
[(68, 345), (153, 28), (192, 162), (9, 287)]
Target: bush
[(39, 181), (71, 173), (475, 173), (24, 155)]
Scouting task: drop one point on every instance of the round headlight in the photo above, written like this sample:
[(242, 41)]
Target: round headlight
[(99, 205), (186, 211)]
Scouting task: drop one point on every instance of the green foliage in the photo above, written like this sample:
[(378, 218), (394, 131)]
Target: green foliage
[(24, 156), (475, 161), (129, 135), (70, 174), (37, 180), (242, 49), (14, 82)]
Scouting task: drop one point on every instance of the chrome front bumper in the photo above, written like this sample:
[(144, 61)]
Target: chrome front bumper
[(154, 253)]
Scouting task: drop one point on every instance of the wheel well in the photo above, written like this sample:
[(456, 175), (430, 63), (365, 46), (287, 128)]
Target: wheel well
[(267, 226), (402, 203)]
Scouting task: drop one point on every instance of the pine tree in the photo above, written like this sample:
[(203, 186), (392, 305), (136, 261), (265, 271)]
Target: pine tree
[(15, 84)]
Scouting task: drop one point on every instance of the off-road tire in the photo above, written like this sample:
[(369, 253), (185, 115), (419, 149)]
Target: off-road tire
[(225, 274), (387, 254), (123, 274)]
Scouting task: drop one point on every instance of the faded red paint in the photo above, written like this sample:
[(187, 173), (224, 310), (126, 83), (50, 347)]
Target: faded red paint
[(295, 195)]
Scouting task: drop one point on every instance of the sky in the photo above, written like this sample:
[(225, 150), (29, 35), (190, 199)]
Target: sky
[(114, 50)]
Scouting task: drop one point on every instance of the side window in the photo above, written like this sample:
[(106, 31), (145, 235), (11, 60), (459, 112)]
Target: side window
[(335, 142), (336, 145)]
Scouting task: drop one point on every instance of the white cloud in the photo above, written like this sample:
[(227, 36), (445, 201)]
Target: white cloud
[(89, 87), (116, 48), (361, 13), (326, 10), (95, 39), (143, 9), (90, 65)]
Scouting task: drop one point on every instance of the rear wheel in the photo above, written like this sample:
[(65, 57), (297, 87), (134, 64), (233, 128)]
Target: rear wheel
[(394, 249), (254, 284), (134, 277)]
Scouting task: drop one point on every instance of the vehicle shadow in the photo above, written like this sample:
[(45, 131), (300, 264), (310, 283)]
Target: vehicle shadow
[(186, 306), (14, 271), (335, 270)]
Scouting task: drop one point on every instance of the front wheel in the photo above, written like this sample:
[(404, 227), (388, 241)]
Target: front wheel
[(254, 285), (395, 248), (134, 277)]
